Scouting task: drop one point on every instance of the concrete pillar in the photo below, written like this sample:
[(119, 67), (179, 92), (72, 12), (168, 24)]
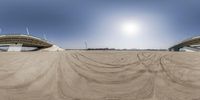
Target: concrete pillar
[(15, 47)]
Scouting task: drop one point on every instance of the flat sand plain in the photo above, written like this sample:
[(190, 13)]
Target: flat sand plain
[(99, 75)]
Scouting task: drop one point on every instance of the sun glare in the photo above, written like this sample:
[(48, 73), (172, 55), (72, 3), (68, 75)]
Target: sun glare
[(130, 28)]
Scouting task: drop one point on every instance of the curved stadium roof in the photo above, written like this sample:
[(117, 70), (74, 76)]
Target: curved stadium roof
[(25, 40), (188, 42)]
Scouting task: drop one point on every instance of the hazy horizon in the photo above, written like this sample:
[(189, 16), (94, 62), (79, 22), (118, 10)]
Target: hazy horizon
[(144, 24)]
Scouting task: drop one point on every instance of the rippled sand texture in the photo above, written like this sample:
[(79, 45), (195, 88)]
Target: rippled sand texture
[(99, 75)]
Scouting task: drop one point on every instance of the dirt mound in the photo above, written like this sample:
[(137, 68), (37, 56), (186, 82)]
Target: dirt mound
[(53, 48)]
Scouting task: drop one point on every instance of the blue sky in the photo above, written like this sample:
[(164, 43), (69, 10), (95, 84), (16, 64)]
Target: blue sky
[(69, 23)]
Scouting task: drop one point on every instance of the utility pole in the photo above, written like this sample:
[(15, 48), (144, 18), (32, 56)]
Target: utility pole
[(0, 30), (27, 31), (45, 36), (86, 45)]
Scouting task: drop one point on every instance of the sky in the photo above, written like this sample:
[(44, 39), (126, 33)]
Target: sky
[(142, 24)]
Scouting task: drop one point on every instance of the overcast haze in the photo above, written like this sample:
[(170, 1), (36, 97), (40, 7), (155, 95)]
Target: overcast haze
[(69, 23)]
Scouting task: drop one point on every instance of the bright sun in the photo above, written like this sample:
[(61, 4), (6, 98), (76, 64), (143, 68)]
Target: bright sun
[(130, 28)]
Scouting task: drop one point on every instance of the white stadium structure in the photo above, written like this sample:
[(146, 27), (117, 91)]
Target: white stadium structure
[(21, 42), (190, 45)]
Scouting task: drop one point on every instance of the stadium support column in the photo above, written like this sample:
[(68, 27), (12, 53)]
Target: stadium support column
[(15, 47)]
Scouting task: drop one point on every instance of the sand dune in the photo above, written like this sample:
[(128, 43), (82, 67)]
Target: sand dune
[(99, 75)]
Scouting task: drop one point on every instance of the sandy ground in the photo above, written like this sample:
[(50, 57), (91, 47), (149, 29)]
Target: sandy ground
[(99, 75)]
